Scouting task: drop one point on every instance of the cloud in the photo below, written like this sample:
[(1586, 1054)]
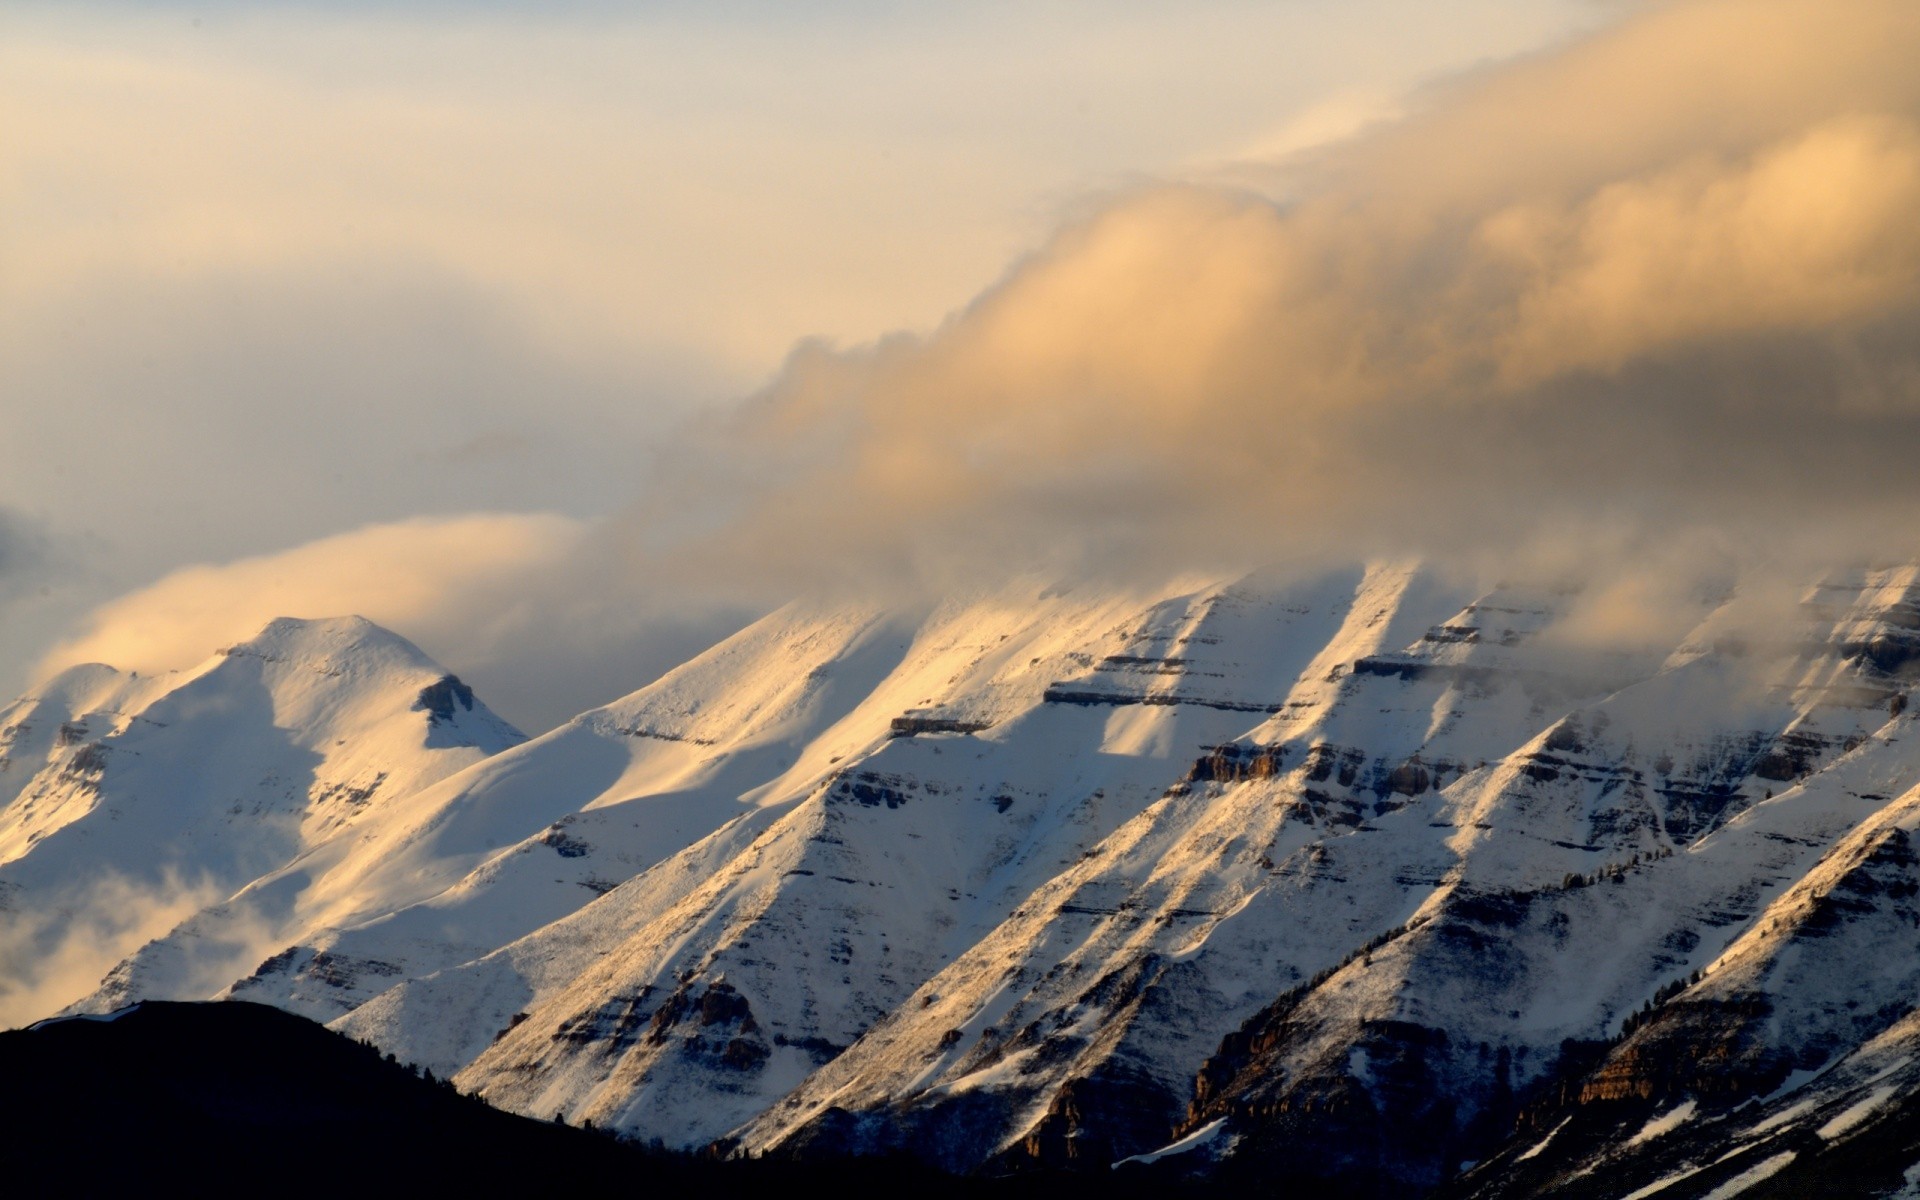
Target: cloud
[(1647, 304), (162, 422), (44, 577), (1664, 281), (26, 553), (240, 411), (526, 607), (430, 575), (723, 178), (60, 951), (1808, 234), (278, 271)]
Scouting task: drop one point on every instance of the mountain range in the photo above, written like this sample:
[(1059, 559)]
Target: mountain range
[(1367, 879)]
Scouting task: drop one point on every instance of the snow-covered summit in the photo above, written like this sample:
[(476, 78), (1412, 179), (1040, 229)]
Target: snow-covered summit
[(127, 797)]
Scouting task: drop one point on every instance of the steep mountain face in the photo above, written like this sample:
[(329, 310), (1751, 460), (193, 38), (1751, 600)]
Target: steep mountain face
[(1395, 1067), (451, 871), (1405, 850), (1797, 1048), (1355, 881), (125, 794), (823, 913), (1849, 1128)]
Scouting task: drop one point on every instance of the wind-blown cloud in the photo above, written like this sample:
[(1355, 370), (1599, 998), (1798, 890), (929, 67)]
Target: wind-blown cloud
[(1666, 279), (527, 607), (57, 952), (422, 575)]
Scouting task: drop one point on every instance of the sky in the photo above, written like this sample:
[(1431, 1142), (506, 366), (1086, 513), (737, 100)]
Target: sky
[(457, 276), (562, 338)]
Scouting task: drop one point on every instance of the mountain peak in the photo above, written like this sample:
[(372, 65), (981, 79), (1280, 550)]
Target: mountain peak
[(76, 685), (182, 788), (329, 641)]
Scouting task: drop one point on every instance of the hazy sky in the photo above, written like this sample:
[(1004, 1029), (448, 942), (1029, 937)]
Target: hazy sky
[(274, 274), (558, 338)]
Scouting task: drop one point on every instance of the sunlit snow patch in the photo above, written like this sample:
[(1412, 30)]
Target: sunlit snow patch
[(1662, 1184), (1857, 1113), (1542, 1143), (1752, 1175), (1666, 1122), (1785, 1116), (1193, 1141), (115, 1015)]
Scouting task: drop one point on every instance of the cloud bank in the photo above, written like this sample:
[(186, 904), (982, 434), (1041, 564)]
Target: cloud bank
[(1649, 304), (1666, 280)]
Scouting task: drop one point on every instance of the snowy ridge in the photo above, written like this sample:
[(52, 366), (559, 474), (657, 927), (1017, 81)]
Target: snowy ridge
[(526, 836), (1360, 875), (894, 865), (131, 795)]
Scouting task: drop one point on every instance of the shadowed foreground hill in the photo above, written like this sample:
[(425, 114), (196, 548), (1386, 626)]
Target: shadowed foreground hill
[(236, 1098), (229, 1097)]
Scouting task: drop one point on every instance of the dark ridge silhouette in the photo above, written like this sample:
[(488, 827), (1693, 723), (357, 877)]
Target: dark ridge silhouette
[(233, 1098)]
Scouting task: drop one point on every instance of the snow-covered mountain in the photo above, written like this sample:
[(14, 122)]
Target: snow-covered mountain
[(453, 871), (127, 798), (1364, 877)]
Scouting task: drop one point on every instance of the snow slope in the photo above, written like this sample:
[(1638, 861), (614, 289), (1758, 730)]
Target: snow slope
[(127, 793), (1360, 875), (894, 864), (522, 838)]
